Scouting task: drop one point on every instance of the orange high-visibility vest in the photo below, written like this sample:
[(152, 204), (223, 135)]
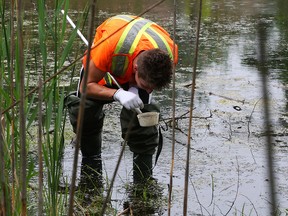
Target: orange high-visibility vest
[(120, 39)]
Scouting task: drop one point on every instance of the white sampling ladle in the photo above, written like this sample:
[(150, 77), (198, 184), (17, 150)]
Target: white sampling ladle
[(147, 119)]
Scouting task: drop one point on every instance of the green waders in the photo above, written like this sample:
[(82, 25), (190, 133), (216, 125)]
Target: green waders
[(91, 139), (141, 140)]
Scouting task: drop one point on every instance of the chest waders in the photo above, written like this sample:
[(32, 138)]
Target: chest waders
[(142, 141)]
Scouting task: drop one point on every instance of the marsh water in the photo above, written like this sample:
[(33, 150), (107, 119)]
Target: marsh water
[(228, 165)]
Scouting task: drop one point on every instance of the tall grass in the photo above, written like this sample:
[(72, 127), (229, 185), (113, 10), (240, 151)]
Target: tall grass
[(19, 191)]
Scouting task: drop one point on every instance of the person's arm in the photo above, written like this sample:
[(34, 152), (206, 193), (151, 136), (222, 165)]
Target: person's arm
[(128, 99), (94, 90)]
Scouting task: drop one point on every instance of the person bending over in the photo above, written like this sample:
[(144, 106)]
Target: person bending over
[(138, 53)]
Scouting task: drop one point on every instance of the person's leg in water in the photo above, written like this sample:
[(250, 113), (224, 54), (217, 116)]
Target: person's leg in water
[(90, 142), (142, 141), (91, 165)]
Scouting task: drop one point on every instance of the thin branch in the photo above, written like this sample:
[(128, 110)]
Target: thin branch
[(185, 206), (81, 110), (250, 117), (227, 98)]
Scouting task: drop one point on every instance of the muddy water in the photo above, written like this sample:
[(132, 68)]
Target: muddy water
[(228, 164)]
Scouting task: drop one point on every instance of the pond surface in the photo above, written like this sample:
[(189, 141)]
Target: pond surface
[(228, 164)]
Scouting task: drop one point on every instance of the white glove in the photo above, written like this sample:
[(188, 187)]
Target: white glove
[(133, 90), (128, 99)]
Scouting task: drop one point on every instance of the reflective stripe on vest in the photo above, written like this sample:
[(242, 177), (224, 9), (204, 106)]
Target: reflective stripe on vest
[(123, 17), (108, 80), (130, 39), (162, 44)]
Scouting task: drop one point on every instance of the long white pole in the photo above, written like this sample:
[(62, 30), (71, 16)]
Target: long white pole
[(83, 39), (74, 26)]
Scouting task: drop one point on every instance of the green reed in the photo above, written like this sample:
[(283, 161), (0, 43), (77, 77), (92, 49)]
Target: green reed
[(18, 137)]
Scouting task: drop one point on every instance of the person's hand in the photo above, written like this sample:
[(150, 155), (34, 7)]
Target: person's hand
[(128, 99), (133, 90)]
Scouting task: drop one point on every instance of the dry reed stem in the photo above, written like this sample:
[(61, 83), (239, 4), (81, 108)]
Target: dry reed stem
[(185, 205), (23, 169), (82, 108)]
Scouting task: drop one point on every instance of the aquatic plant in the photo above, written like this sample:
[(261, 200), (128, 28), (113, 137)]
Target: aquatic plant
[(41, 123), (145, 198)]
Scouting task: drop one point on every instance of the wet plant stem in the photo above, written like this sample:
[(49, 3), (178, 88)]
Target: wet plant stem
[(40, 168), (22, 108), (250, 117), (173, 116), (82, 108), (237, 189), (12, 54), (185, 205)]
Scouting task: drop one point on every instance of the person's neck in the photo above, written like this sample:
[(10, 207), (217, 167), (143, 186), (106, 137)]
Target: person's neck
[(132, 81)]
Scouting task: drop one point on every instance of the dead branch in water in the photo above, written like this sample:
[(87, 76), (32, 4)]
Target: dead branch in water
[(169, 121), (250, 117), (126, 211)]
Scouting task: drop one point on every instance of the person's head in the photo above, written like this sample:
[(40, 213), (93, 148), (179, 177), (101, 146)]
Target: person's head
[(154, 70)]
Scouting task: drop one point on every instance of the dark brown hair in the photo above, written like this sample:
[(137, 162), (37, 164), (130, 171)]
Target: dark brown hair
[(155, 68)]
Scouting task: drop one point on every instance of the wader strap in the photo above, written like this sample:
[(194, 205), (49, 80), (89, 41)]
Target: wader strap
[(160, 145), (80, 78)]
